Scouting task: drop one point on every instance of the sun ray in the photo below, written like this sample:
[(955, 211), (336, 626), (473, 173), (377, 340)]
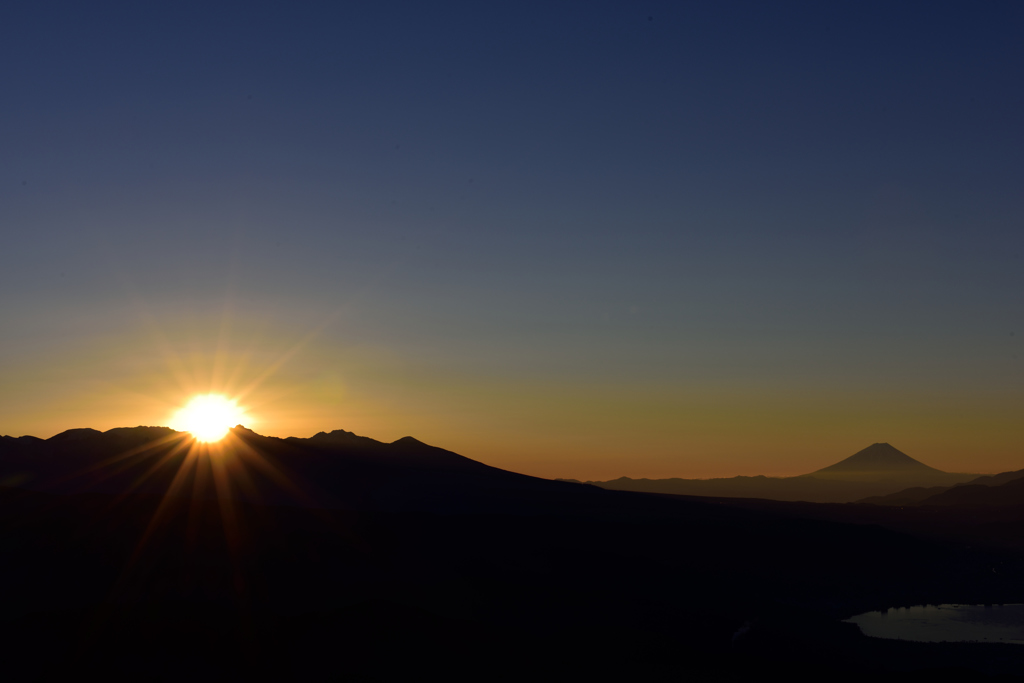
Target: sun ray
[(159, 465), (250, 455), (220, 356), (200, 484), (121, 459), (287, 355), (168, 497), (173, 361)]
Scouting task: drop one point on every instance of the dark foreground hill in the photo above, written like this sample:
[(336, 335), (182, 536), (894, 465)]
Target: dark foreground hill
[(338, 558), (877, 470), (336, 469)]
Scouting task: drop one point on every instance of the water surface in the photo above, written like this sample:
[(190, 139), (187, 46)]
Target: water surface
[(946, 623)]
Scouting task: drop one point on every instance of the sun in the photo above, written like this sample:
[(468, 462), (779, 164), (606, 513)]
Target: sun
[(208, 417)]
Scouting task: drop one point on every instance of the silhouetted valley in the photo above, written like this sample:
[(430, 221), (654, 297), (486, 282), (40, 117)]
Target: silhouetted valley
[(135, 554)]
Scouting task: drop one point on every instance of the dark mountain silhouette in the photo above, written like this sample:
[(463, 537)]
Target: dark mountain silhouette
[(75, 435), (335, 469), (344, 558), (994, 491), (1010, 493), (878, 459), (911, 496), (995, 479), (877, 470), (922, 496)]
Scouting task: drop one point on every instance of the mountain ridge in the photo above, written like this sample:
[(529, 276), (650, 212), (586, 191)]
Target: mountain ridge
[(986, 489), (329, 469), (878, 470)]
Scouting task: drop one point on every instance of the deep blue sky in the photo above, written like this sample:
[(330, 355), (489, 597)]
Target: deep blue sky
[(577, 239)]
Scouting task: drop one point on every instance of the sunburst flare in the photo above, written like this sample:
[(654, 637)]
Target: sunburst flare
[(208, 417)]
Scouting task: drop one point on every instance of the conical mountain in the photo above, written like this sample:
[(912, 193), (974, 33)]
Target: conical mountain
[(879, 458), (879, 467)]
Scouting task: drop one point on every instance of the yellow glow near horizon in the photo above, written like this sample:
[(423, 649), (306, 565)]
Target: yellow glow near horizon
[(208, 417)]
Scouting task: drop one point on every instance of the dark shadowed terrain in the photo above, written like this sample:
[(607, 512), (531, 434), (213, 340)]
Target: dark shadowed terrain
[(342, 558)]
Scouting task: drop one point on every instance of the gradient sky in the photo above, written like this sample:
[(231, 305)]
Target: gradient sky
[(579, 240)]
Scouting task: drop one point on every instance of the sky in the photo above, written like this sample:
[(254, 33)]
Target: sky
[(587, 240)]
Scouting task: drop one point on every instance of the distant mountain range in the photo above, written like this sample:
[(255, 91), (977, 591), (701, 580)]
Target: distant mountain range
[(878, 470), (342, 469), (999, 489)]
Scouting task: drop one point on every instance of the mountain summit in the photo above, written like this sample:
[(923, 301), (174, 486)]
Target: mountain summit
[(335, 469), (879, 467), (879, 458)]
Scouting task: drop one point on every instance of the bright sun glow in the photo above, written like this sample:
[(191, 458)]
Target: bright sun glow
[(208, 417)]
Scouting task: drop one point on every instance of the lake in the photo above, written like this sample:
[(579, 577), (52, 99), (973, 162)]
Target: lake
[(938, 623)]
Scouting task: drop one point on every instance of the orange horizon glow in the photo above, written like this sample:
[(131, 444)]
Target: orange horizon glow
[(298, 384)]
